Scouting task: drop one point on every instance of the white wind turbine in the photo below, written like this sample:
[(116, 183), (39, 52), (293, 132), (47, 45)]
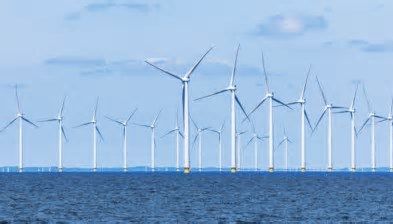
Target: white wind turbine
[(20, 116), (389, 119), (351, 110), (269, 95), (95, 130), (152, 128), (239, 149), (234, 99), (61, 134), (178, 134), (199, 138), (219, 134), (185, 79), (328, 109), (371, 118), (124, 125), (255, 137), (303, 117), (285, 141)]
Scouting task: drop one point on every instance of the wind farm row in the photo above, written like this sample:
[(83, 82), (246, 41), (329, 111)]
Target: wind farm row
[(182, 130)]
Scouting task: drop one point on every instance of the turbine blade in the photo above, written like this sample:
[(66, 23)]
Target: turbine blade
[(339, 107), (114, 120), (141, 125), (99, 133), (195, 139), (11, 122), (62, 106), (28, 121), (289, 140), (168, 133), (17, 98), (354, 96), (321, 90), (215, 93), (48, 120), (319, 120), (95, 108), (391, 107), (232, 81), (195, 125), (263, 137), (363, 125), (279, 144), (380, 117), (84, 124), (188, 74), (157, 116), (282, 103), (305, 83), (241, 107), (367, 100), (308, 120), (265, 73), (260, 103), (131, 115), (222, 126), (164, 71), (181, 134), (341, 112), (64, 134), (249, 142)]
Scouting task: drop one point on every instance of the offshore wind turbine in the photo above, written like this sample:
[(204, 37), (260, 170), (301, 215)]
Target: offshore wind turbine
[(152, 126), (185, 79), (178, 134), (239, 148), (96, 131), (351, 110), (199, 138), (303, 117), (61, 134), (219, 134), (20, 117), (327, 110), (371, 118), (269, 96), (124, 124), (389, 119), (234, 100), (255, 137), (285, 141)]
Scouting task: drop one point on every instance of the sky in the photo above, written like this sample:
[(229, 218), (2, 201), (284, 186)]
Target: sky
[(90, 49)]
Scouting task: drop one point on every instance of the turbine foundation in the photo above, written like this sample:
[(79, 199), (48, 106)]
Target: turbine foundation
[(186, 170)]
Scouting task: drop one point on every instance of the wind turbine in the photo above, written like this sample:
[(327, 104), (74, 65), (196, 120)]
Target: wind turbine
[(152, 128), (178, 134), (234, 99), (185, 79), (199, 138), (239, 148), (20, 116), (328, 109), (285, 141), (389, 119), (371, 118), (351, 110), (219, 134), (255, 137), (124, 124), (303, 116), (269, 96), (61, 134), (95, 130)]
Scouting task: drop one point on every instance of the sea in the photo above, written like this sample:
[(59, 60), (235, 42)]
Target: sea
[(206, 197)]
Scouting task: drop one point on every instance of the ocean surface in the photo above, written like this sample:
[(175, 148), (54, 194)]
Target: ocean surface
[(199, 197)]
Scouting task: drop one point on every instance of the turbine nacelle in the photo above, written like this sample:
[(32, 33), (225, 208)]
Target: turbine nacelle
[(269, 95), (231, 88)]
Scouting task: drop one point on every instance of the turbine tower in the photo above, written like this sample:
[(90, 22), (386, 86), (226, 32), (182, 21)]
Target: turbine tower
[(234, 99), (61, 134), (239, 148), (95, 130), (185, 79), (178, 134), (20, 116), (371, 118), (219, 134), (124, 125), (328, 110), (199, 138), (285, 141), (351, 110), (269, 96), (303, 116), (152, 128)]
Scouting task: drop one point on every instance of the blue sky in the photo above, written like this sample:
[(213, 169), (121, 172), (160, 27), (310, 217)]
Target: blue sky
[(85, 49)]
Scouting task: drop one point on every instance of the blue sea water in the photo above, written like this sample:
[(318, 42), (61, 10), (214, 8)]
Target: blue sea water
[(199, 197)]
